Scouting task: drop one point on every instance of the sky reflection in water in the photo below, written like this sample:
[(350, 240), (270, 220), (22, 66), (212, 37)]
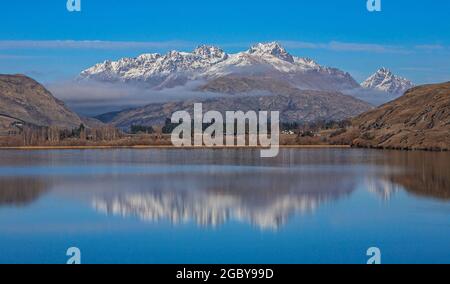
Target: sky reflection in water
[(224, 206)]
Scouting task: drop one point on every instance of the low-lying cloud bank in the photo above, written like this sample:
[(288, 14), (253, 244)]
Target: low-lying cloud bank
[(89, 98), (93, 98)]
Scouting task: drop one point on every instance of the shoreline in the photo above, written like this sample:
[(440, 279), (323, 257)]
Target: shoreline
[(171, 147), (164, 147)]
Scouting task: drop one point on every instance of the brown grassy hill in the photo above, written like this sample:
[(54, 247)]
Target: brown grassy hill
[(419, 120), (305, 106), (24, 99)]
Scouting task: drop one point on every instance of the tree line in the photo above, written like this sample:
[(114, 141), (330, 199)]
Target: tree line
[(32, 135)]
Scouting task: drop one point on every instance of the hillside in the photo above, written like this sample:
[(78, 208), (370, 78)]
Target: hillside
[(294, 105), (420, 119), (23, 99)]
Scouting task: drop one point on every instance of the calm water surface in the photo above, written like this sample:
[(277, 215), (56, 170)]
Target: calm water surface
[(224, 206)]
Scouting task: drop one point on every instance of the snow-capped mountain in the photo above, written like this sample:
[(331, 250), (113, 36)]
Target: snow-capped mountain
[(209, 62), (155, 69), (273, 49), (384, 80)]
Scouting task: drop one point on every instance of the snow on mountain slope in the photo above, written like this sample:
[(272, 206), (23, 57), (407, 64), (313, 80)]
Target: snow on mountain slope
[(271, 55), (208, 62), (273, 49), (384, 80), (155, 67)]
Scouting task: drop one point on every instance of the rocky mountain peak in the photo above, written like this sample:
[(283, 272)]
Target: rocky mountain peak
[(386, 81), (273, 49), (384, 71), (208, 51), (149, 56)]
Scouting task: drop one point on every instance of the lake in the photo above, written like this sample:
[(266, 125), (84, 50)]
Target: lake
[(224, 206)]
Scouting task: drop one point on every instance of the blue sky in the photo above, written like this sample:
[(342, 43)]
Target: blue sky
[(43, 40)]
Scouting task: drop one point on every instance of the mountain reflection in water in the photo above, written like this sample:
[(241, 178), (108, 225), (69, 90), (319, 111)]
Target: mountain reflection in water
[(264, 200), (211, 188), (21, 192)]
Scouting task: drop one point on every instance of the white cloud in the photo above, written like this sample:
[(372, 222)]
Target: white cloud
[(430, 47), (346, 46), (94, 97), (88, 44), (178, 44), (15, 57)]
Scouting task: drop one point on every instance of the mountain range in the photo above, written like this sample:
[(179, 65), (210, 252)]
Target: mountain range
[(206, 63), (265, 77), (419, 119), (294, 105), (209, 62)]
